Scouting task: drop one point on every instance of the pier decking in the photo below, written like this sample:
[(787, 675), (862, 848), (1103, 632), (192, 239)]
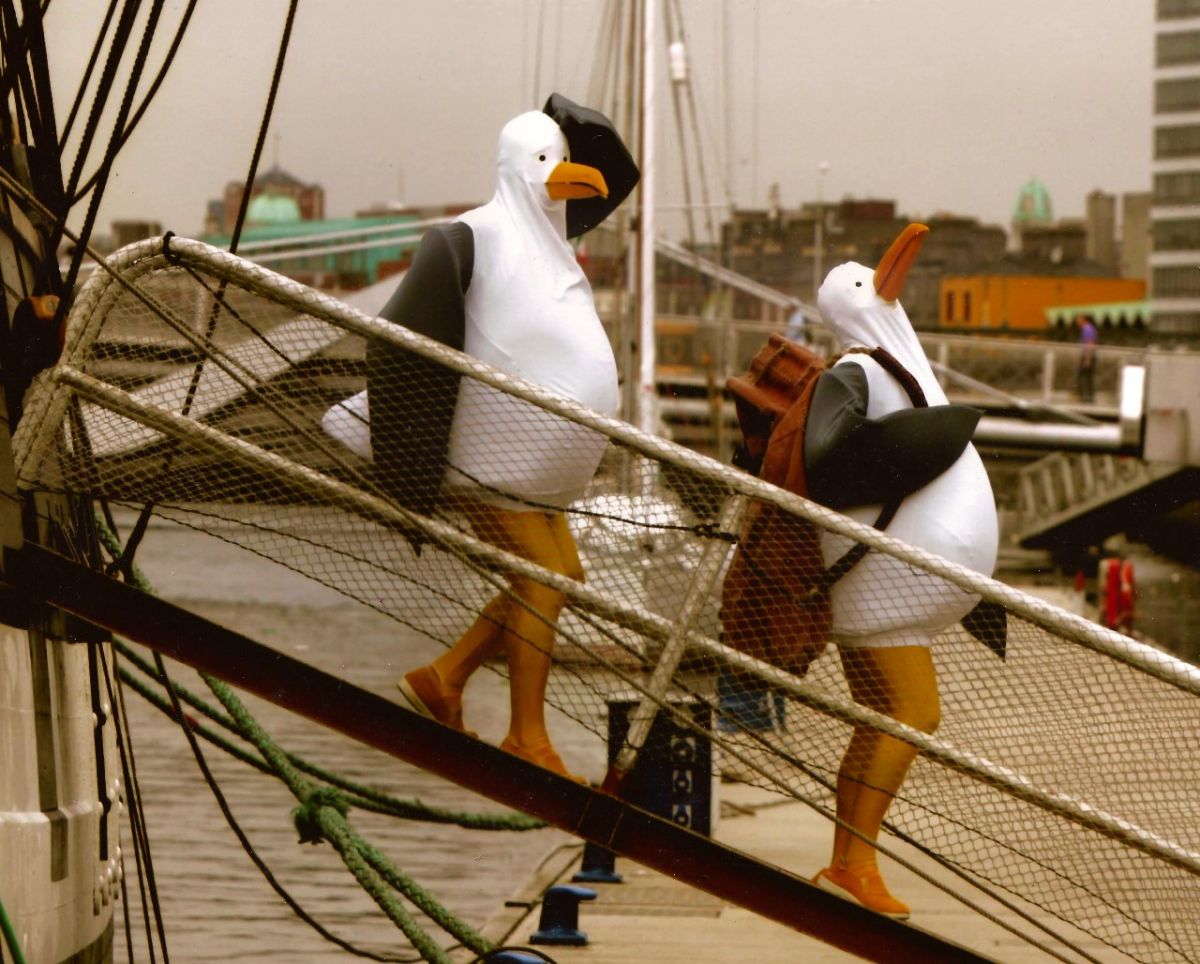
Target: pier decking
[(650, 917)]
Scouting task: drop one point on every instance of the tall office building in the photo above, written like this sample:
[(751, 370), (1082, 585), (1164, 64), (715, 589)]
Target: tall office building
[(1175, 212), (1100, 226), (1135, 235)]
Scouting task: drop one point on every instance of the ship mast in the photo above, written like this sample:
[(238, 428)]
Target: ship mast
[(647, 396)]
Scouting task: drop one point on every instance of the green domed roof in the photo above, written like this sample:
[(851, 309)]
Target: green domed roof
[(1033, 203), (273, 209)]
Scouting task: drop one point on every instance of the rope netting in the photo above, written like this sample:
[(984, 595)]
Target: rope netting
[(1057, 762)]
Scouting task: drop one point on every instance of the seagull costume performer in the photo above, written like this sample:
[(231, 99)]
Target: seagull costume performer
[(885, 614), (502, 284)]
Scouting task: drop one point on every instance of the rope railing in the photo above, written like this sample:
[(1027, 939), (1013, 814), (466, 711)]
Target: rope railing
[(988, 791), (657, 627), (31, 443)]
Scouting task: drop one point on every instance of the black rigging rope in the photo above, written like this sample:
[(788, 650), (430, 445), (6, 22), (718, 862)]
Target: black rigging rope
[(143, 520), (33, 118), (137, 821), (262, 128), (17, 76), (22, 74), (47, 139), (16, 40), (116, 51), (197, 752), (87, 73), (110, 155), (145, 104)]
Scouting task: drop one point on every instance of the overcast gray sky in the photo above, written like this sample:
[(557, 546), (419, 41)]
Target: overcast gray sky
[(941, 104)]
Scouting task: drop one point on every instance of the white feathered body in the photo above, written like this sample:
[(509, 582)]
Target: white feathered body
[(528, 311), (884, 602), (541, 325)]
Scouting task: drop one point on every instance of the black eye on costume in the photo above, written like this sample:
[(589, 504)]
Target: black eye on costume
[(541, 157), (858, 284)]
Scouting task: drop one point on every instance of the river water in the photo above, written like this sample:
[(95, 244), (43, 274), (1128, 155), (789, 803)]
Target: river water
[(216, 905)]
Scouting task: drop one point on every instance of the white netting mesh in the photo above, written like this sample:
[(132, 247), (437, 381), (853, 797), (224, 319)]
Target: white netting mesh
[(1065, 773)]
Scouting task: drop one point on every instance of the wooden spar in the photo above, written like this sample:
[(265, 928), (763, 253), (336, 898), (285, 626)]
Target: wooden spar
[(585, 812)]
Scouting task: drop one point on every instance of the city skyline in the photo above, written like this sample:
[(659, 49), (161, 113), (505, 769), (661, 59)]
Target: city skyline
[(940, 106)]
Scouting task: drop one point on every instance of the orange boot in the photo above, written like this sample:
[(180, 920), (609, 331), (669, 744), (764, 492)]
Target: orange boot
[(429, 696), (436, 690), (542, 754), (863, 885)]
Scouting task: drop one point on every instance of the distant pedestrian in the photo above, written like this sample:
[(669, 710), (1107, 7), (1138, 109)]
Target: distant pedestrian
[(797, 328), (1120, 594), (1126, 595), (1110, 570), (1086, 379)]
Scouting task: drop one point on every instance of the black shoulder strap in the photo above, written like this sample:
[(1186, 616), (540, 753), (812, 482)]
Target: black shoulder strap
[(906, 378)]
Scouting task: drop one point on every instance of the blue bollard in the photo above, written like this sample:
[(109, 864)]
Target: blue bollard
[(559, 923), (598, 866), (746, 704)]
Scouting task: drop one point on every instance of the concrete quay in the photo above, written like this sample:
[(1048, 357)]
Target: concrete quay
[(651, 917)]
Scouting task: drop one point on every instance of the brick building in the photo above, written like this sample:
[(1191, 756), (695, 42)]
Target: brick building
[(221, 214), (778, 247)]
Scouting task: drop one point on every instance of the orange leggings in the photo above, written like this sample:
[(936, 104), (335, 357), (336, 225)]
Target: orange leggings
[(899, 682), (525, 630)]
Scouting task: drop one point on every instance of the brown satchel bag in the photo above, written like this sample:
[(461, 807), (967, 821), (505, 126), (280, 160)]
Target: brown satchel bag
[(775, 600)]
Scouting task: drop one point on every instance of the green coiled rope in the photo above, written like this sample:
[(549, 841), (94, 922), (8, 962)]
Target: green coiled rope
[(360, 796), (10, 936), (322, 812)]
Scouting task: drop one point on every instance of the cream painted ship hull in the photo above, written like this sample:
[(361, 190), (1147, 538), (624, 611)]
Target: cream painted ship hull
[(59, 791)]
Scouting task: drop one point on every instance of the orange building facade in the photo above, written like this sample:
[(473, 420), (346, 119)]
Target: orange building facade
[(1003, 301)]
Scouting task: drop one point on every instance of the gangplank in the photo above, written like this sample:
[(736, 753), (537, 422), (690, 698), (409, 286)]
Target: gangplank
[(364, 716)]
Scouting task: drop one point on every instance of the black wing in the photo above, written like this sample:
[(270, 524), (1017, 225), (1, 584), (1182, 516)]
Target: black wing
[(411, 399), (852, 460)]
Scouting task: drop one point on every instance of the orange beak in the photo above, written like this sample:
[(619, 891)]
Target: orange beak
[(571, 181), (893, 267)]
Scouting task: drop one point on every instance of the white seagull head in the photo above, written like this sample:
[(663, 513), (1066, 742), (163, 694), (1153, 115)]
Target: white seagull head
[(861, 305), (533, 155)]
